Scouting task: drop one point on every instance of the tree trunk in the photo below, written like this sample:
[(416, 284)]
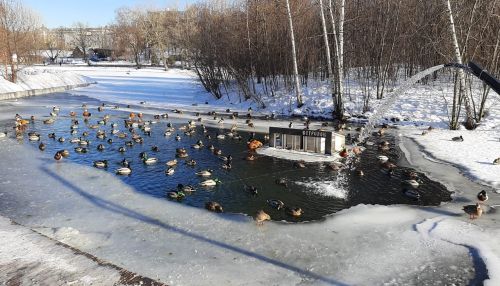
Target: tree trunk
[(470, 123), (298, 91), (339, 109), (327, 49)]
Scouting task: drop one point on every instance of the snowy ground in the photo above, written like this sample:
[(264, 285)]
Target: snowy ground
[(365, 245)]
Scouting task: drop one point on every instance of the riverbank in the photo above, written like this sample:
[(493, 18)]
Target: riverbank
[(97, 213)]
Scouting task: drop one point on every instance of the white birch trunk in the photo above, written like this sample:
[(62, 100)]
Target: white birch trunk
[(327, 45), (340, 63), (294, 57), (458, 57)]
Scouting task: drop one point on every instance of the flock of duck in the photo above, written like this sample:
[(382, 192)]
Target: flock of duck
[(134, 126)]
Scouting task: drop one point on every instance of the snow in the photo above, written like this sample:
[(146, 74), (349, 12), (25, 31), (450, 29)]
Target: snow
[(96, 212), (40, 78)]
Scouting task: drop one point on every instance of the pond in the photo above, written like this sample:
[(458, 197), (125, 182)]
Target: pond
[(315, 189)]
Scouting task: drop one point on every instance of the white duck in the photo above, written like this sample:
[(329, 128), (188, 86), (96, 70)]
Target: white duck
[(210, 183)]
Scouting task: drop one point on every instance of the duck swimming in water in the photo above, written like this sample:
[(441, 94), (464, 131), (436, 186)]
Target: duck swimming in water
[(41, 146), (64, 153), (169, 171), (150, 161), (281, 182), (277, 204), (101, 164), (412, 183), (172, 163), (294, 211), (100, 147), (176, 195), (210, 182), (204, 173), (58, 156), (124, 171), (122, 149), (261, 217), (191, 163), (125, 163), (213, 207), (80, 150)]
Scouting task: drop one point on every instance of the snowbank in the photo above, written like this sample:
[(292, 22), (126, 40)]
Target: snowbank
[(33, 81)]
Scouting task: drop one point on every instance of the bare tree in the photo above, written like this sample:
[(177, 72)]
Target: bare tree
[(17, 36), (298, 91), (54, 44), (129, 32), (82, 39)]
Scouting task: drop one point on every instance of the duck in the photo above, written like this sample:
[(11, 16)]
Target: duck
[(182, 155), (110, 141), (252, 190), (177, 137), (197, 146), (299, 164), (388, 165), (294, 211), (64, 153), (61, 139), (191, 163), (84, 143), (458, 139), (412, 194), (226, 166), (186, 189), (496, 161), (482, 196), (155, 149), (176, 195), (281, 182), (172, 163), (85, 134), (48, 121), (343, 153), (34, 137), (101, 164), (474, 211), (210, 182), (150, 161), (169, 171), (204, 173), (41, 146), (167, 133), (277, 204), (53, 114), (412, 183), (221, 136), (124, 171), (80, 150), (227, 158), (382, 159), (261, 216), (217, 151), (129, 143), (74, 140), (52, 135), (122, 149), (214, 207), (125, 163), (250, 157), (100, 147), (360, 173), (412, 175), (58, 156)]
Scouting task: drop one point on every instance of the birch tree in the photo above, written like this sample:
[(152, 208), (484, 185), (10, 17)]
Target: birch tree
[(462, 90), (298, 91), (327, 48)]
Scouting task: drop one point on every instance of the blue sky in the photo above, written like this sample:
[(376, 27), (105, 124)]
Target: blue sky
[(55, 13)]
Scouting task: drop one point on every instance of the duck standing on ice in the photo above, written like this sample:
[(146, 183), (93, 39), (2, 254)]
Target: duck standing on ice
[(458, 139)]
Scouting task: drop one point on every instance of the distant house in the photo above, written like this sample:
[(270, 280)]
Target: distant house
[(77, 53)]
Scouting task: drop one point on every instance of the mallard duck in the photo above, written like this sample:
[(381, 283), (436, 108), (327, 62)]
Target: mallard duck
[(250, 157), (294, 211), (150, 161), (277, 204), (221, 136), (122, 149), (412, 175), (182, 155), (281, 182), (52, 135), (412, 194), (191, 163), (64, 153), (252, 190), (155, 149), (85, 134), (261, 217), (360, 173), (61, 139), (169, 171), (129, 143), (53, 114), (83, 143), (101, 164), (41, 146), (110, 141), (412, 183), (124, 171), (496, 161), (74, 140), (72, 114), (204, 173), (100, 147), (474, 211), (196, 146), (482, 196), (58, 156), (80, 150), (177, 137), (186, 189), (382, 159), (458, 139), (48, 121), (125, 163), (34, 137), (226, 166), (172, 163), (210, 182), (299, 164), (176, 195), (56, 109), (3, 134), (213, 207)]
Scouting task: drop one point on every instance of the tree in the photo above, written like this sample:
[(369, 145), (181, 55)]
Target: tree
[(82, 39), (298, 91), (54, 44), (129, 33), (18, 25)]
